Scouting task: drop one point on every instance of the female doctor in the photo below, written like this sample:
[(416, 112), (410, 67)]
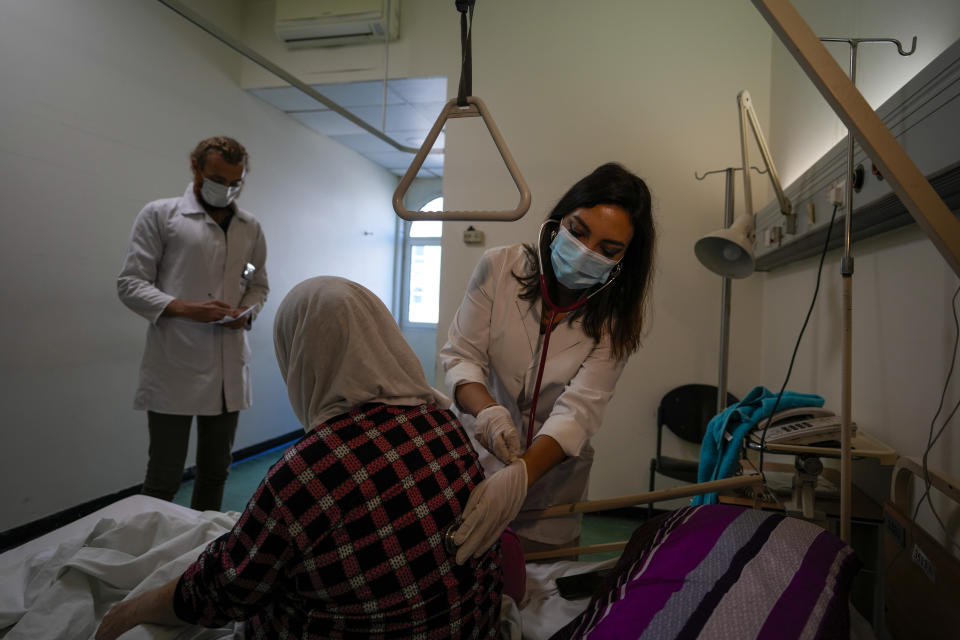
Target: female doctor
[(536, 348)]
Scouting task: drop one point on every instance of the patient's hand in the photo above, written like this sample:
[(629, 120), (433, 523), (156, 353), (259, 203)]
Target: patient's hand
[(120, 619), (154, 606)]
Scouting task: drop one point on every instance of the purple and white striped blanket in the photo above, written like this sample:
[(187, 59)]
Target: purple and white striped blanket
[(723, 571)]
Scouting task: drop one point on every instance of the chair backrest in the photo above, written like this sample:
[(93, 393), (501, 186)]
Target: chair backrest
[(686, 410)]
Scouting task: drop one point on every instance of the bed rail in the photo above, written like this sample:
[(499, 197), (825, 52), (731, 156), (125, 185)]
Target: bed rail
[(905, 469), (726, 484), (921, 575)]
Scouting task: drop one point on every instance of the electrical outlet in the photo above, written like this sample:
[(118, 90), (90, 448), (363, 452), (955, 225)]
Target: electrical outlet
[(473, 236), (835, 194), (773, 236)]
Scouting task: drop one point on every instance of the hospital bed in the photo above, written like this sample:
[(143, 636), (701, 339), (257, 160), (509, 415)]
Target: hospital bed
[(713, 566), (922, 575), (711, 571)]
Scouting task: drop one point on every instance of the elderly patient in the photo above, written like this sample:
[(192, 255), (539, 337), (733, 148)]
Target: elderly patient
[(344, 536)]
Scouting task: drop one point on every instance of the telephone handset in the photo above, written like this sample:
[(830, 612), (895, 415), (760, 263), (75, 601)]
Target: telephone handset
[(801, 425)]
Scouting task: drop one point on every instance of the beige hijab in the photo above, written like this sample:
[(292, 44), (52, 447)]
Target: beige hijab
[(338, 347)]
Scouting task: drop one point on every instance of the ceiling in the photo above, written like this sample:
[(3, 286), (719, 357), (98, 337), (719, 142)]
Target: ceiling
[(413, 105)]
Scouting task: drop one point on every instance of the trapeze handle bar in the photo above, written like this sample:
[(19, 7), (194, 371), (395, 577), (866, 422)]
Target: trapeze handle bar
[(475, 107)]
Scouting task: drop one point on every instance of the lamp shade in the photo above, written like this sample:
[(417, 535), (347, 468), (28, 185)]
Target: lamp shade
[(728, 252)]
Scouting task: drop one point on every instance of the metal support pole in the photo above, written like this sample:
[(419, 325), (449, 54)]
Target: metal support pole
[(846, 410), (846, 391), (725, 301), (847, 264)]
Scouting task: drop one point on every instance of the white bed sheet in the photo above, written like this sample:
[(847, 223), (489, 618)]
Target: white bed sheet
[(61, 584), (544, 612)]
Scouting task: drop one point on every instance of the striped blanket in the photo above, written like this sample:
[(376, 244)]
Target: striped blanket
[(722, 571)]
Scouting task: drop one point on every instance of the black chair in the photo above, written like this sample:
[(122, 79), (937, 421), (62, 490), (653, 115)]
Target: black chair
[(686, 411)]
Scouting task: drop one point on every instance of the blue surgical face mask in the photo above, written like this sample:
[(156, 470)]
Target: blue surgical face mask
[(576, 266), (218, 195)]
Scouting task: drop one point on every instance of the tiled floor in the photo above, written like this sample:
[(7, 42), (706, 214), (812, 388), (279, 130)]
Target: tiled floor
[(247, 474), (244, 478), (597, 529)]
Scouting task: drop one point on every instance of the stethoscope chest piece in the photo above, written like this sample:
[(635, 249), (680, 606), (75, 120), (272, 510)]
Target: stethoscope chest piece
[(448, 542)]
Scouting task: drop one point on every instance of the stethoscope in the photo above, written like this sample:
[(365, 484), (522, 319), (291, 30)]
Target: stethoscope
[(555, 310)]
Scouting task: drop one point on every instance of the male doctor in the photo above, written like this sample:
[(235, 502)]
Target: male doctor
[(194, 268)]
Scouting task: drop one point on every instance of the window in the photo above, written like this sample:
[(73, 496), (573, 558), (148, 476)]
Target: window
[(421, 270)]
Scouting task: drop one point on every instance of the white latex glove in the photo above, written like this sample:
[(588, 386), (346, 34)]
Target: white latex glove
[(490, 508), (496, 432)]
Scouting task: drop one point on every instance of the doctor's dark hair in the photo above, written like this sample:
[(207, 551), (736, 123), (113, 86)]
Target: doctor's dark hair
[(619, 309), (231, 151)]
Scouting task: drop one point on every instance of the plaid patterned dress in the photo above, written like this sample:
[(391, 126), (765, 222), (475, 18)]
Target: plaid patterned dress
[(344, 538)]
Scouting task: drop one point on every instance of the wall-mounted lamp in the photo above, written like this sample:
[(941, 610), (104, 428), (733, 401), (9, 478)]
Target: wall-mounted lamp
[(729, 251)]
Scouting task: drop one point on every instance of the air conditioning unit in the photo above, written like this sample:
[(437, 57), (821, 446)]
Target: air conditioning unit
[(326, 23)]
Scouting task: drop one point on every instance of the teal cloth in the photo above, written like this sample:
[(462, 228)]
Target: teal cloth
[(719, 456)]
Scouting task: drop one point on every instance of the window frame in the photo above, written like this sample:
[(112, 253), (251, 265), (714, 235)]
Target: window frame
[(405, 259)]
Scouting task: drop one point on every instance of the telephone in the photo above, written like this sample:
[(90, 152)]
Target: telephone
[(801, 425)]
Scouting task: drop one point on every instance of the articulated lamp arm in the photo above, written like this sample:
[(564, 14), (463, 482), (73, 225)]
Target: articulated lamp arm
[(747, 114), (729, 251)]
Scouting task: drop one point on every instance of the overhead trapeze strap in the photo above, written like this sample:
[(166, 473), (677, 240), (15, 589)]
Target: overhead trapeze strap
[(464, 105), (466, 62)]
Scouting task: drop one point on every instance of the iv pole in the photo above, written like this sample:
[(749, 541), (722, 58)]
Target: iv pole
[(846, 272), (915, 192)]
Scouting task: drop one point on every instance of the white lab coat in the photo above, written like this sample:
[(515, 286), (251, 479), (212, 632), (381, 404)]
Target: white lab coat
[(176, 250), (495, 340)]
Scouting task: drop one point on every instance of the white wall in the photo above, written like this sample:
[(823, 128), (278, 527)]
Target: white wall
[(902, 324), (101, 102)]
